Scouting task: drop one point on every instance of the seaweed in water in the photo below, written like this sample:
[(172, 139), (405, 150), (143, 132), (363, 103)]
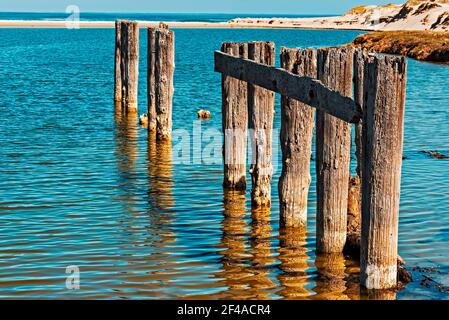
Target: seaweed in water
[(435, 154), (428, 278)]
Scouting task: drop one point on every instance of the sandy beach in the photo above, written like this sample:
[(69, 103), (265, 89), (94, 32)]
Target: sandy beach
[(412, 15), (104, 24), (300, 23)]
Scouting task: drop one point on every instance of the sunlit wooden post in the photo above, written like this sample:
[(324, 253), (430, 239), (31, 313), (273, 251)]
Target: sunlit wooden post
[(260, 121), (297, 123), (164, 72), (151, 80), (117, 64), (129, 65), (383, 126), (234, 122), (333, 146)]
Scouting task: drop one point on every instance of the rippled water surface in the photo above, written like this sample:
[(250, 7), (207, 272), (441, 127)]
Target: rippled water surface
[(80, 186)]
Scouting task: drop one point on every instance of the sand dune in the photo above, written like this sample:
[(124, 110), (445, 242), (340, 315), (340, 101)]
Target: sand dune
[(413, 15)]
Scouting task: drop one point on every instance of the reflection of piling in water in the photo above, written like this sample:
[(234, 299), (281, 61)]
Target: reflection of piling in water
[(261, 253), (293, 257), (160, 171), (126, 136), (245, 271), (234, 271), (378, 294), (330, 282)]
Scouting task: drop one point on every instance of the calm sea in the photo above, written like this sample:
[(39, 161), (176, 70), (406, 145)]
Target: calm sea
[(185, 17), (78, 188)]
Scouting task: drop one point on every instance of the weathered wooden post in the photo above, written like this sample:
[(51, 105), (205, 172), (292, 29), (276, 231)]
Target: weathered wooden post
[(151, 81), (117, 64), (297, 123), (260, 116), (235, 122), (333, 145), (164, 71), (383, 126), (129, 65)]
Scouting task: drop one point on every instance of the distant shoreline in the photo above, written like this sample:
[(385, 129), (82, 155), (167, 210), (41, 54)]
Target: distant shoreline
[(144, 24)]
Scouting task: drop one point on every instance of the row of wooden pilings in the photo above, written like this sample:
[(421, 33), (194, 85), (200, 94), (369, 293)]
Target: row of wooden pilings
[(379, 92), (161, 64)]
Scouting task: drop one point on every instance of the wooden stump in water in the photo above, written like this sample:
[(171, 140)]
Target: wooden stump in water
[(297, 123), (164, 71), (352, 247), (383, 126), (151, 83), (235, 122), (333, 146), (260, 116), (117, 63), (127, 36)]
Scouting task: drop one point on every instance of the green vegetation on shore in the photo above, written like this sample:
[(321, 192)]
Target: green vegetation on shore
[(419, 45)]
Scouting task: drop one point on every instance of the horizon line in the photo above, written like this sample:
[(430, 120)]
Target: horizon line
[(198, 13)]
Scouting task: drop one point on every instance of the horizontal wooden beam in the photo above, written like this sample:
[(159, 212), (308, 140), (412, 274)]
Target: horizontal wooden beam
[(304, 89)]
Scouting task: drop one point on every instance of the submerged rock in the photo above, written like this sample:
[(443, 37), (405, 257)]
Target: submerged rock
[(204, 114), (143, 120)]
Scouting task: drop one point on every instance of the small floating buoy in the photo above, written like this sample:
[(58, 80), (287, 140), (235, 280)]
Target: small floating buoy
[(143, 120), (204, 114)]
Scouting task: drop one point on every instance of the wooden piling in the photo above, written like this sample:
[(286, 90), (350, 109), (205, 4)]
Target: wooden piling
[(129, 65), (151, 83), (260, 115), (164, 71), (333, 145), (383, 126), (117, 64), (235, 122), (297, 123)]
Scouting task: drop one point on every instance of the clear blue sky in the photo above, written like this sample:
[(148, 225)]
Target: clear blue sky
[(190, 6)]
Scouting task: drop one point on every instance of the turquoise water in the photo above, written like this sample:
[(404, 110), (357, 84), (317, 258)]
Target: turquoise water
[(79, 188), (101, 16)]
